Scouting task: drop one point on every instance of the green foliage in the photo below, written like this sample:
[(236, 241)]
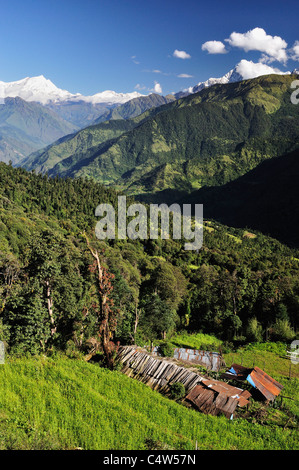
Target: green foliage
[(159, 288), (282, 331), (274, 347), (166, 349), (254, 330), (205, 139), (196, 341), (177, 391), (158, 318)]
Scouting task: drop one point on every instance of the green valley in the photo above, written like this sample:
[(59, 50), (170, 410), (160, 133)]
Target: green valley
[(204, 139)]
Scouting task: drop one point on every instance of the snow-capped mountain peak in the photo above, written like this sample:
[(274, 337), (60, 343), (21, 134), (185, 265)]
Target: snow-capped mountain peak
[(42, 90), (38, 89), (111, 97), (244, 70)]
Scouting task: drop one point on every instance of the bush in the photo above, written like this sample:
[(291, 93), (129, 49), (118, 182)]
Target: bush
[(166, 350), (177, 391), (254, 331), (282, 331), (276, 348)]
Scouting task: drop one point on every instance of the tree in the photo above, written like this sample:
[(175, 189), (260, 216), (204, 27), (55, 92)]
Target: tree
[(169, 283), (54, 263), (106, 314), (254, 331), (26, 317), (158, 318), (282, 331)]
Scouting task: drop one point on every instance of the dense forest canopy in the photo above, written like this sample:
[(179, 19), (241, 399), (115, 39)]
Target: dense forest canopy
[(239, 285)]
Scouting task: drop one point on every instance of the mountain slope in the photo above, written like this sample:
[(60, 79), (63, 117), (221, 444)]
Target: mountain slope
[(73, 149), (208, 138), (77, 146), (264, 199), (26, 127), (135, 107)]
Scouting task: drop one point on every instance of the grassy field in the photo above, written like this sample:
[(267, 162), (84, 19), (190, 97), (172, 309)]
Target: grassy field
[(195, 341), (63, 403)]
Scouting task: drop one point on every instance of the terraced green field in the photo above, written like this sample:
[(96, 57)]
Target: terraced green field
[(63, 403)]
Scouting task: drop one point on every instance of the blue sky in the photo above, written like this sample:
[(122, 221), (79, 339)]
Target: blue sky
[(123, 45)]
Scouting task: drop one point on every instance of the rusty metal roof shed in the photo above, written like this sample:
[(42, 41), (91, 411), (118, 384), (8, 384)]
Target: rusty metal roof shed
[(269, 387), (215, 397)]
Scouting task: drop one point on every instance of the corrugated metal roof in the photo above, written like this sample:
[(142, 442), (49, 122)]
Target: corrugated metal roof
[(212, 360), (269, 387), (212, 396), (215, 397)]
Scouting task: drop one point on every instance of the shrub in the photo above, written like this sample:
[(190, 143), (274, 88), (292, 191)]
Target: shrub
[(282, 331), (254, 331), (166, 350), (177, 391)]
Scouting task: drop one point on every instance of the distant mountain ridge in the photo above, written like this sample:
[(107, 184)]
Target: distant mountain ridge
[(75, 111), (135, 107), (78, 109), (26, 127), (207, 138)]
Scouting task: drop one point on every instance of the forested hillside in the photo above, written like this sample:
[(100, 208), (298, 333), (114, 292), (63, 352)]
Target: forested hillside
[(205, 139), (135, 107), (239, 285), (78, 145), (264, 199)]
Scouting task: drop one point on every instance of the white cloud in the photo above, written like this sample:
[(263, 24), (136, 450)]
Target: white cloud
[(140, 87), (295, 51), (214, 47), (185, 75), (157, 88), (273, 47), (248, 69), (181, 54), (134, 59)]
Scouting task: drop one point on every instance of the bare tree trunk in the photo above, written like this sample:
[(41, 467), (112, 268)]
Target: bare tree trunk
[(104, 329), (137, 316), (50, 308)]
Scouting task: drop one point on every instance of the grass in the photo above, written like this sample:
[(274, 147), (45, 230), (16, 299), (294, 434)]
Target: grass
[(195, 341), (63, 403)]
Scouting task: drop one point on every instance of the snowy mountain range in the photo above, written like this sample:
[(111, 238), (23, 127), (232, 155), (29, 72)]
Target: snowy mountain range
[(43, 91), (34, 112)]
